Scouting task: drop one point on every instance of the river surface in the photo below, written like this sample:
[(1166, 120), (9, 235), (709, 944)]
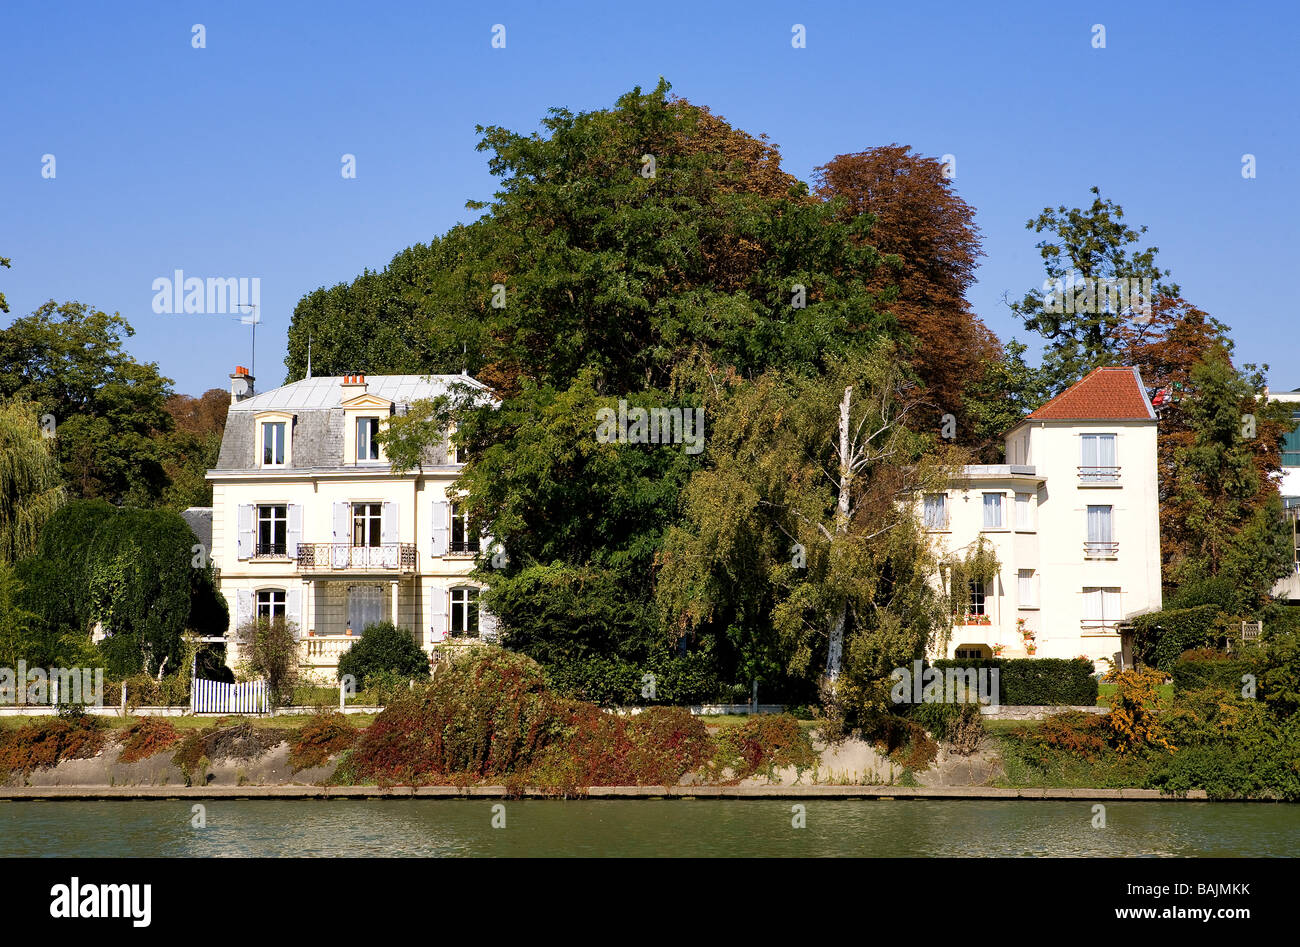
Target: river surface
[(667, 828)]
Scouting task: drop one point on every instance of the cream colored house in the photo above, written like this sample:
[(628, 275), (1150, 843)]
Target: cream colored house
[(309, 520), (1073, 518), (1288, 589)]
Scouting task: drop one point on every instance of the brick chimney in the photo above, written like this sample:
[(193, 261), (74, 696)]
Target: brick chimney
[(241, 384), (352, 386)]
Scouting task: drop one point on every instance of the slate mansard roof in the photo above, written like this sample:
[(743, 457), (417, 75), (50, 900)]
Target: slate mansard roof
[(316, 404)]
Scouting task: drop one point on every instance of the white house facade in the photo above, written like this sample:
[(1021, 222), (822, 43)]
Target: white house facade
[(310, 522), (1073, 519), (1288, 589)]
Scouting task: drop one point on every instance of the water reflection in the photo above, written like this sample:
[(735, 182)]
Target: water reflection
[(666, 828)]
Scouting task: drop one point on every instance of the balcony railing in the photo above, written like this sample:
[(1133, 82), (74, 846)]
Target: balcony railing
[(1099, 550), (1099, 475), (463, 546), (270, 551), (342, 557), (1100, 626), (324, 650)]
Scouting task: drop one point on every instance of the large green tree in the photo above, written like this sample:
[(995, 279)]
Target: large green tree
[(1229, 523), (68, 360), (1085, 248)]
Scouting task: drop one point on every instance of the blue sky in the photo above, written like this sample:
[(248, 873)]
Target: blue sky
[(225, 161)]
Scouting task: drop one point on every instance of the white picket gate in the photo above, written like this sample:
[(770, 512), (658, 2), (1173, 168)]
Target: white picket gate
[(215, 697)]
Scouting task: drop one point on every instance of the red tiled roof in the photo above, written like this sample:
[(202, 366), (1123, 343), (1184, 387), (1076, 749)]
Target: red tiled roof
[(1111, 394)]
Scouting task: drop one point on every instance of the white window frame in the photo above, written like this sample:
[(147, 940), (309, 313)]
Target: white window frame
[(283, 439), (266, 513), (463, 611), (927, 520), (1026, 507), (470, 540), (271, 605), (1027, 587), (364, 445), (373, 520), (1101, 474), (1000, 506)]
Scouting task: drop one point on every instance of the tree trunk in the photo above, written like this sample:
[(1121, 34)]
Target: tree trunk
[(835, 651)]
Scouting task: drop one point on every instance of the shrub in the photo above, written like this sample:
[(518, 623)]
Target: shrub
[(485, 714), (1132, 720), (48, 742), (321, 737), (147, 737), (383, 647), (961, 726), (906, 742), (1038, 681), (605, 681), (1073, 732), (764, 742), (1160, 637), (667, 743), (268, 648)]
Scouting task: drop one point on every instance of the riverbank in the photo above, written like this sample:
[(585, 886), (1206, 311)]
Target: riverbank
[(91, 793)]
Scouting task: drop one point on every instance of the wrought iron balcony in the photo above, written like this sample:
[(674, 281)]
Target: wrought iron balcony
[(1089, 475), (343, 557)]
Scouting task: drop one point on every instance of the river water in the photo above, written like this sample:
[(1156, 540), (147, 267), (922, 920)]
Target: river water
[(670, 828)]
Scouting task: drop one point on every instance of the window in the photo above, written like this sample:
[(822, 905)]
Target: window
[(367, 524), (976, 597), (1101, 608), (456, 453), (1291, 443), (273, 444), (270, 604), (464, 612), (1024, 511), (1027, 588), (272, 531), (992, 511), (367, 438), (464, 538), (1097, 463), (935, 511), (1100, 544), (365, 606)]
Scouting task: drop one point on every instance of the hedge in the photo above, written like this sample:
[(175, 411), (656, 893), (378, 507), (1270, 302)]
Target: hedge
[(1038, 681), (1191, 673), (1160, 637)]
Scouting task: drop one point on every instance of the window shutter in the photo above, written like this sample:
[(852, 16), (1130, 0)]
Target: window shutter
[(293, 609), (244, 531), (441, 527), (295, 529), (388, 523), (437, 614), (243, 607), (342, 532)]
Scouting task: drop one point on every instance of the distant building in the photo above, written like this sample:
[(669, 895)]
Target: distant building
[(309, 520), (1073, 518), (1288, 589)]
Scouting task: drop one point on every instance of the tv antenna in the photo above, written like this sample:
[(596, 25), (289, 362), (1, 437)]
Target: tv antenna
[(251, 321)]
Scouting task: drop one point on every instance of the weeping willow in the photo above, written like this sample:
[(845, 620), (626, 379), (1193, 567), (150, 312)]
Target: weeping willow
[(31, 483)]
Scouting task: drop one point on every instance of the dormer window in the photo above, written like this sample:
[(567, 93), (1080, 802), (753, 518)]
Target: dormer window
[(367, 439), (273, 441)]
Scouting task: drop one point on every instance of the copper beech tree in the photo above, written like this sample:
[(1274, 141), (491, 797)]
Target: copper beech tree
[(928, 235)]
